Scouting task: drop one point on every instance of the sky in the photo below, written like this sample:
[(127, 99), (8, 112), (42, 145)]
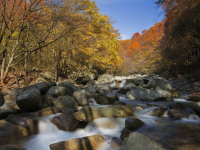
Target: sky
[(131, 16)]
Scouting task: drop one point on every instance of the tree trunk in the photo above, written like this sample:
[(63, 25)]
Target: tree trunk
[(3, 64)]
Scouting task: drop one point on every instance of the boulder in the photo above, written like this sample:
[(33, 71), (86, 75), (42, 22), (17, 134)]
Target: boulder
[(112, 97), (66, 121), (93, 142), (130, 86), (86, 93), (103, 86), (123, 91), (87, 114), (1, 99), (119, 103), (10, 101), (81, 98), (139, 93), (103, 92), (72, 88), (65, 102), (159, 94), (48, 111), (101, 100), (135, 81), (137, 141), (124, 133), (51, 83), (116, 111), (133, 123), (161, 83), (174, 93), (5, 112), (43, 87), (11, 147), (58, 91), (47, 101), (90, 89), (195, 97), (158, 112), (30, 100), (116, 143), (28, 122), (46, 75), (84, 80), (106, 78), (180, 113), (105, 122), (9, 133)]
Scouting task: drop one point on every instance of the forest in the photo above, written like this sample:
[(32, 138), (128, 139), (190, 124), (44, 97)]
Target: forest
[(69, 37)]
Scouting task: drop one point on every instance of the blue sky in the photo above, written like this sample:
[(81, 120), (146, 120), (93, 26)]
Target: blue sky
[(131, 16)]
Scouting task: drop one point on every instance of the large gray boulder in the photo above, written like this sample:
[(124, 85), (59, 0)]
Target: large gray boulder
[(160, 94), (133, 123), (11, 147), (10, 101), (137, 141), (90, 89), (112, 97), (43, 87), (69, 86), (66, 121), (161, 83), (93, 142), (130, 86), (30, 100), (101, 99), (65, 102), (103, 86), (136, 81), (58, 91), (5, 112), (81, 98), (106, 78), (139, 93)]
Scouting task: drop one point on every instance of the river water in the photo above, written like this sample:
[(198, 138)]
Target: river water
[(157, 128)]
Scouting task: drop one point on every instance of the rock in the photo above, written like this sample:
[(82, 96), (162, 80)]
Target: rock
[(46, 75), (195, 97), (93, 142), (174, 94), (135, 81), (48, 111), (133, 123), (103, 86), (66, 121), (158, 112), (103, 92), (65, 102), (9, 133), (87, 114), (116, 111), (116, 143), (123, 91), (112, 97), (81, 98), (90, 89), (86, 93), (101, 100), (1, 99), (119, 103), (43, 87), (160, 94), (10, 101), (58, 91), (47, 101), (177, 105), (137, 141), (139, 93), (124, 133), (29, 123), (5, 112), (30, 100), (69, 86), (51, 83), (179, 113), (11, 147), (105, 122), (161, 83), (84, 80), (130, 86), (105, 78)]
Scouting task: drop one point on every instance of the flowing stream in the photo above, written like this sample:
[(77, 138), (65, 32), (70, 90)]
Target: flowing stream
[(155, 127)]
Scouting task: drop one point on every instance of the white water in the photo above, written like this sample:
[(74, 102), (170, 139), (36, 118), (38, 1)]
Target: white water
[(108, 127), (122, 83)]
